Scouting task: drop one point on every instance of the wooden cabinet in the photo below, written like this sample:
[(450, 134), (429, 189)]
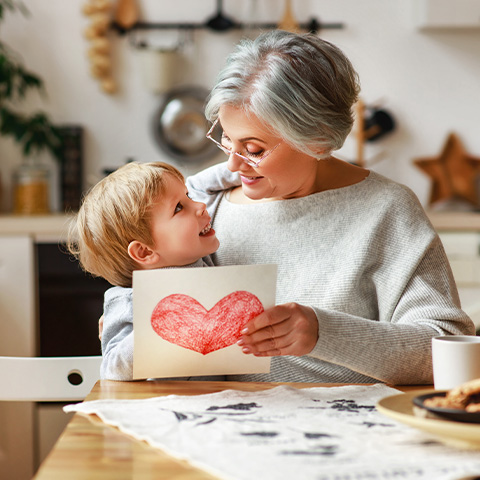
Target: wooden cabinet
[(447, 14), (17, 337), (21, 435), (17, 287), (460, 235)]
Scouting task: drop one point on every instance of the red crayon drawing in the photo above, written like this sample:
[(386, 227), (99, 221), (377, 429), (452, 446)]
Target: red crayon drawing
[(181, 320)]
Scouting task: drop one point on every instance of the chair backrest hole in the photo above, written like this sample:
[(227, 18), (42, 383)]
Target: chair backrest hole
[(75, 378)]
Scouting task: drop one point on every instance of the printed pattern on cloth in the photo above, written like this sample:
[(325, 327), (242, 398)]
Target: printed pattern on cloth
[(283, 433)]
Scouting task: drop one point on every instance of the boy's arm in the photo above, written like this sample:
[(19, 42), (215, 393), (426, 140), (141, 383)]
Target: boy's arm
[(117, 335), (206, 185)]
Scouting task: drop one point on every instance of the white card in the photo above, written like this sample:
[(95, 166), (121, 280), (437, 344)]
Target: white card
[(187, 320)]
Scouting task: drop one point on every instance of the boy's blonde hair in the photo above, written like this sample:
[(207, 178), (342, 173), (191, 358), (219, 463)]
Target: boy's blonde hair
[(114, 212)]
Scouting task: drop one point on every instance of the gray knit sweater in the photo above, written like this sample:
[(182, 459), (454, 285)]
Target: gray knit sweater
[(364, 257)]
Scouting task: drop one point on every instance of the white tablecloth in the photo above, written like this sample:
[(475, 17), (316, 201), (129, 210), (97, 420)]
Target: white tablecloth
[(287, 433)]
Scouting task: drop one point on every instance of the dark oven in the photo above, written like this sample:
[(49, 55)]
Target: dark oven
[(70, 304)]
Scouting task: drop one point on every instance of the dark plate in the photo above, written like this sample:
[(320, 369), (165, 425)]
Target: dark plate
[(445, 413), (180, 126)]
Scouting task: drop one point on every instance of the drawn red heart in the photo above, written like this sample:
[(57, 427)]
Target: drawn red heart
[(181, 320)]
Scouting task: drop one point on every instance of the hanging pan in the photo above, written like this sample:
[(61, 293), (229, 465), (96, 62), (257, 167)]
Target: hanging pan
[(180, 126)]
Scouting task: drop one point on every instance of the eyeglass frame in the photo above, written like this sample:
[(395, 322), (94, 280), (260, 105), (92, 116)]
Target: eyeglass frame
[(225, 150)]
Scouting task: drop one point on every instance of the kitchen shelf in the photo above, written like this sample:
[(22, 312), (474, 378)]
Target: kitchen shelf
[(313, 25), (55, 225), (219, 22)]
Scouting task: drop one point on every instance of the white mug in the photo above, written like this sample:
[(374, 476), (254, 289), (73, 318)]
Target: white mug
[(456, 360)]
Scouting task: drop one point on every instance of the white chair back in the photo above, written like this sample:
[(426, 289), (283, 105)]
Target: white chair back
[(39, 379)]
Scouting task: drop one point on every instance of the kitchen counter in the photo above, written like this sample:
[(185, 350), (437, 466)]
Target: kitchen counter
[(55, 225), (43, 228)]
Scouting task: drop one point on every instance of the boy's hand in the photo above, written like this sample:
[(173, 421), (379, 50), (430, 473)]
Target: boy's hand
[(100, 328)]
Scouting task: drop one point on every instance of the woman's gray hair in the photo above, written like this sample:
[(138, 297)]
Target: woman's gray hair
[(299, 85)]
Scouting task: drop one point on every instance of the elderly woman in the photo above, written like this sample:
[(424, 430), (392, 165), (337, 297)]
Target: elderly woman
[(363, 280)]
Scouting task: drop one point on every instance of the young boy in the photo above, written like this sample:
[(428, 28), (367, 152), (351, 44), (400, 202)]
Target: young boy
[(138, 217)]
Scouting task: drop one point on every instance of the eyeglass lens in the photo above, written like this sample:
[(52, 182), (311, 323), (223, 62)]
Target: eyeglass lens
[(216, 131)]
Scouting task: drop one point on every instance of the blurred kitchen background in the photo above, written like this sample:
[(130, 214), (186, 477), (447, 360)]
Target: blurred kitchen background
[(427, 78)]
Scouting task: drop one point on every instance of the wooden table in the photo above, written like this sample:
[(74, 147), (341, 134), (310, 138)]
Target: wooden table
[(89, 449)]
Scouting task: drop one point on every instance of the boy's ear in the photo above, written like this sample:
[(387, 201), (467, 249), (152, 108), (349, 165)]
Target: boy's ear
[(142, 254)]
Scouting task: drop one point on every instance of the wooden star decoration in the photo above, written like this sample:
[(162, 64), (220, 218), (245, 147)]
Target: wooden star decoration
[(454, 173)]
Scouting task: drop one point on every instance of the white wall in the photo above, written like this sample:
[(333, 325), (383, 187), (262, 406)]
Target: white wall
[(429, 81)]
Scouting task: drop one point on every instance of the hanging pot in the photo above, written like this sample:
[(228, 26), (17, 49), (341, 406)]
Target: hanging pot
[(158, 67), (180, 126)]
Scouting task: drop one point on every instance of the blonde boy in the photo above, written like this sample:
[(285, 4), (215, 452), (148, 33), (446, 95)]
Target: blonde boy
[(138, 217)]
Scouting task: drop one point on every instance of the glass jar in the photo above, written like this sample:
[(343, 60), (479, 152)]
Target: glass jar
[(31, 189)]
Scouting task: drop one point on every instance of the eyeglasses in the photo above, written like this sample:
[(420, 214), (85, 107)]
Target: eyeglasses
[(246, 159)]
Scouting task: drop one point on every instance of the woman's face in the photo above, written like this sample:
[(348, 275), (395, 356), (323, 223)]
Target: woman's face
[(284, 173)]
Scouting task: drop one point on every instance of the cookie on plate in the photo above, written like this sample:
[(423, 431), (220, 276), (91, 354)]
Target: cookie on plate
[(465, 394)]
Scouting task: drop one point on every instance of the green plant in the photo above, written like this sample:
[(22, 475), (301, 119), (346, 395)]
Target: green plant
[(34, 132)]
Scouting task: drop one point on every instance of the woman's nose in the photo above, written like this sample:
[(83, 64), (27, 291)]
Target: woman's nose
[(234, 162)]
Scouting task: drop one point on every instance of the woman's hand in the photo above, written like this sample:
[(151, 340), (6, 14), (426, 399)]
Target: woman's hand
[(288, 329)]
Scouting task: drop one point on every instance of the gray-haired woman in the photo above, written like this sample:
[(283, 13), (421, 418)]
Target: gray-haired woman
[(364, 283)]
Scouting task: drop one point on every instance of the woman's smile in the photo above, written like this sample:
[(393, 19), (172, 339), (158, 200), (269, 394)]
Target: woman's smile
[(248, 180)]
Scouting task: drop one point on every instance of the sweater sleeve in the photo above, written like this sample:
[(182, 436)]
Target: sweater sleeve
[(398, 351), (206, 185), (117, 336)]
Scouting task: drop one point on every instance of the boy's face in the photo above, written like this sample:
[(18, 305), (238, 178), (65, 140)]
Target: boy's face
[(181, 228)]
